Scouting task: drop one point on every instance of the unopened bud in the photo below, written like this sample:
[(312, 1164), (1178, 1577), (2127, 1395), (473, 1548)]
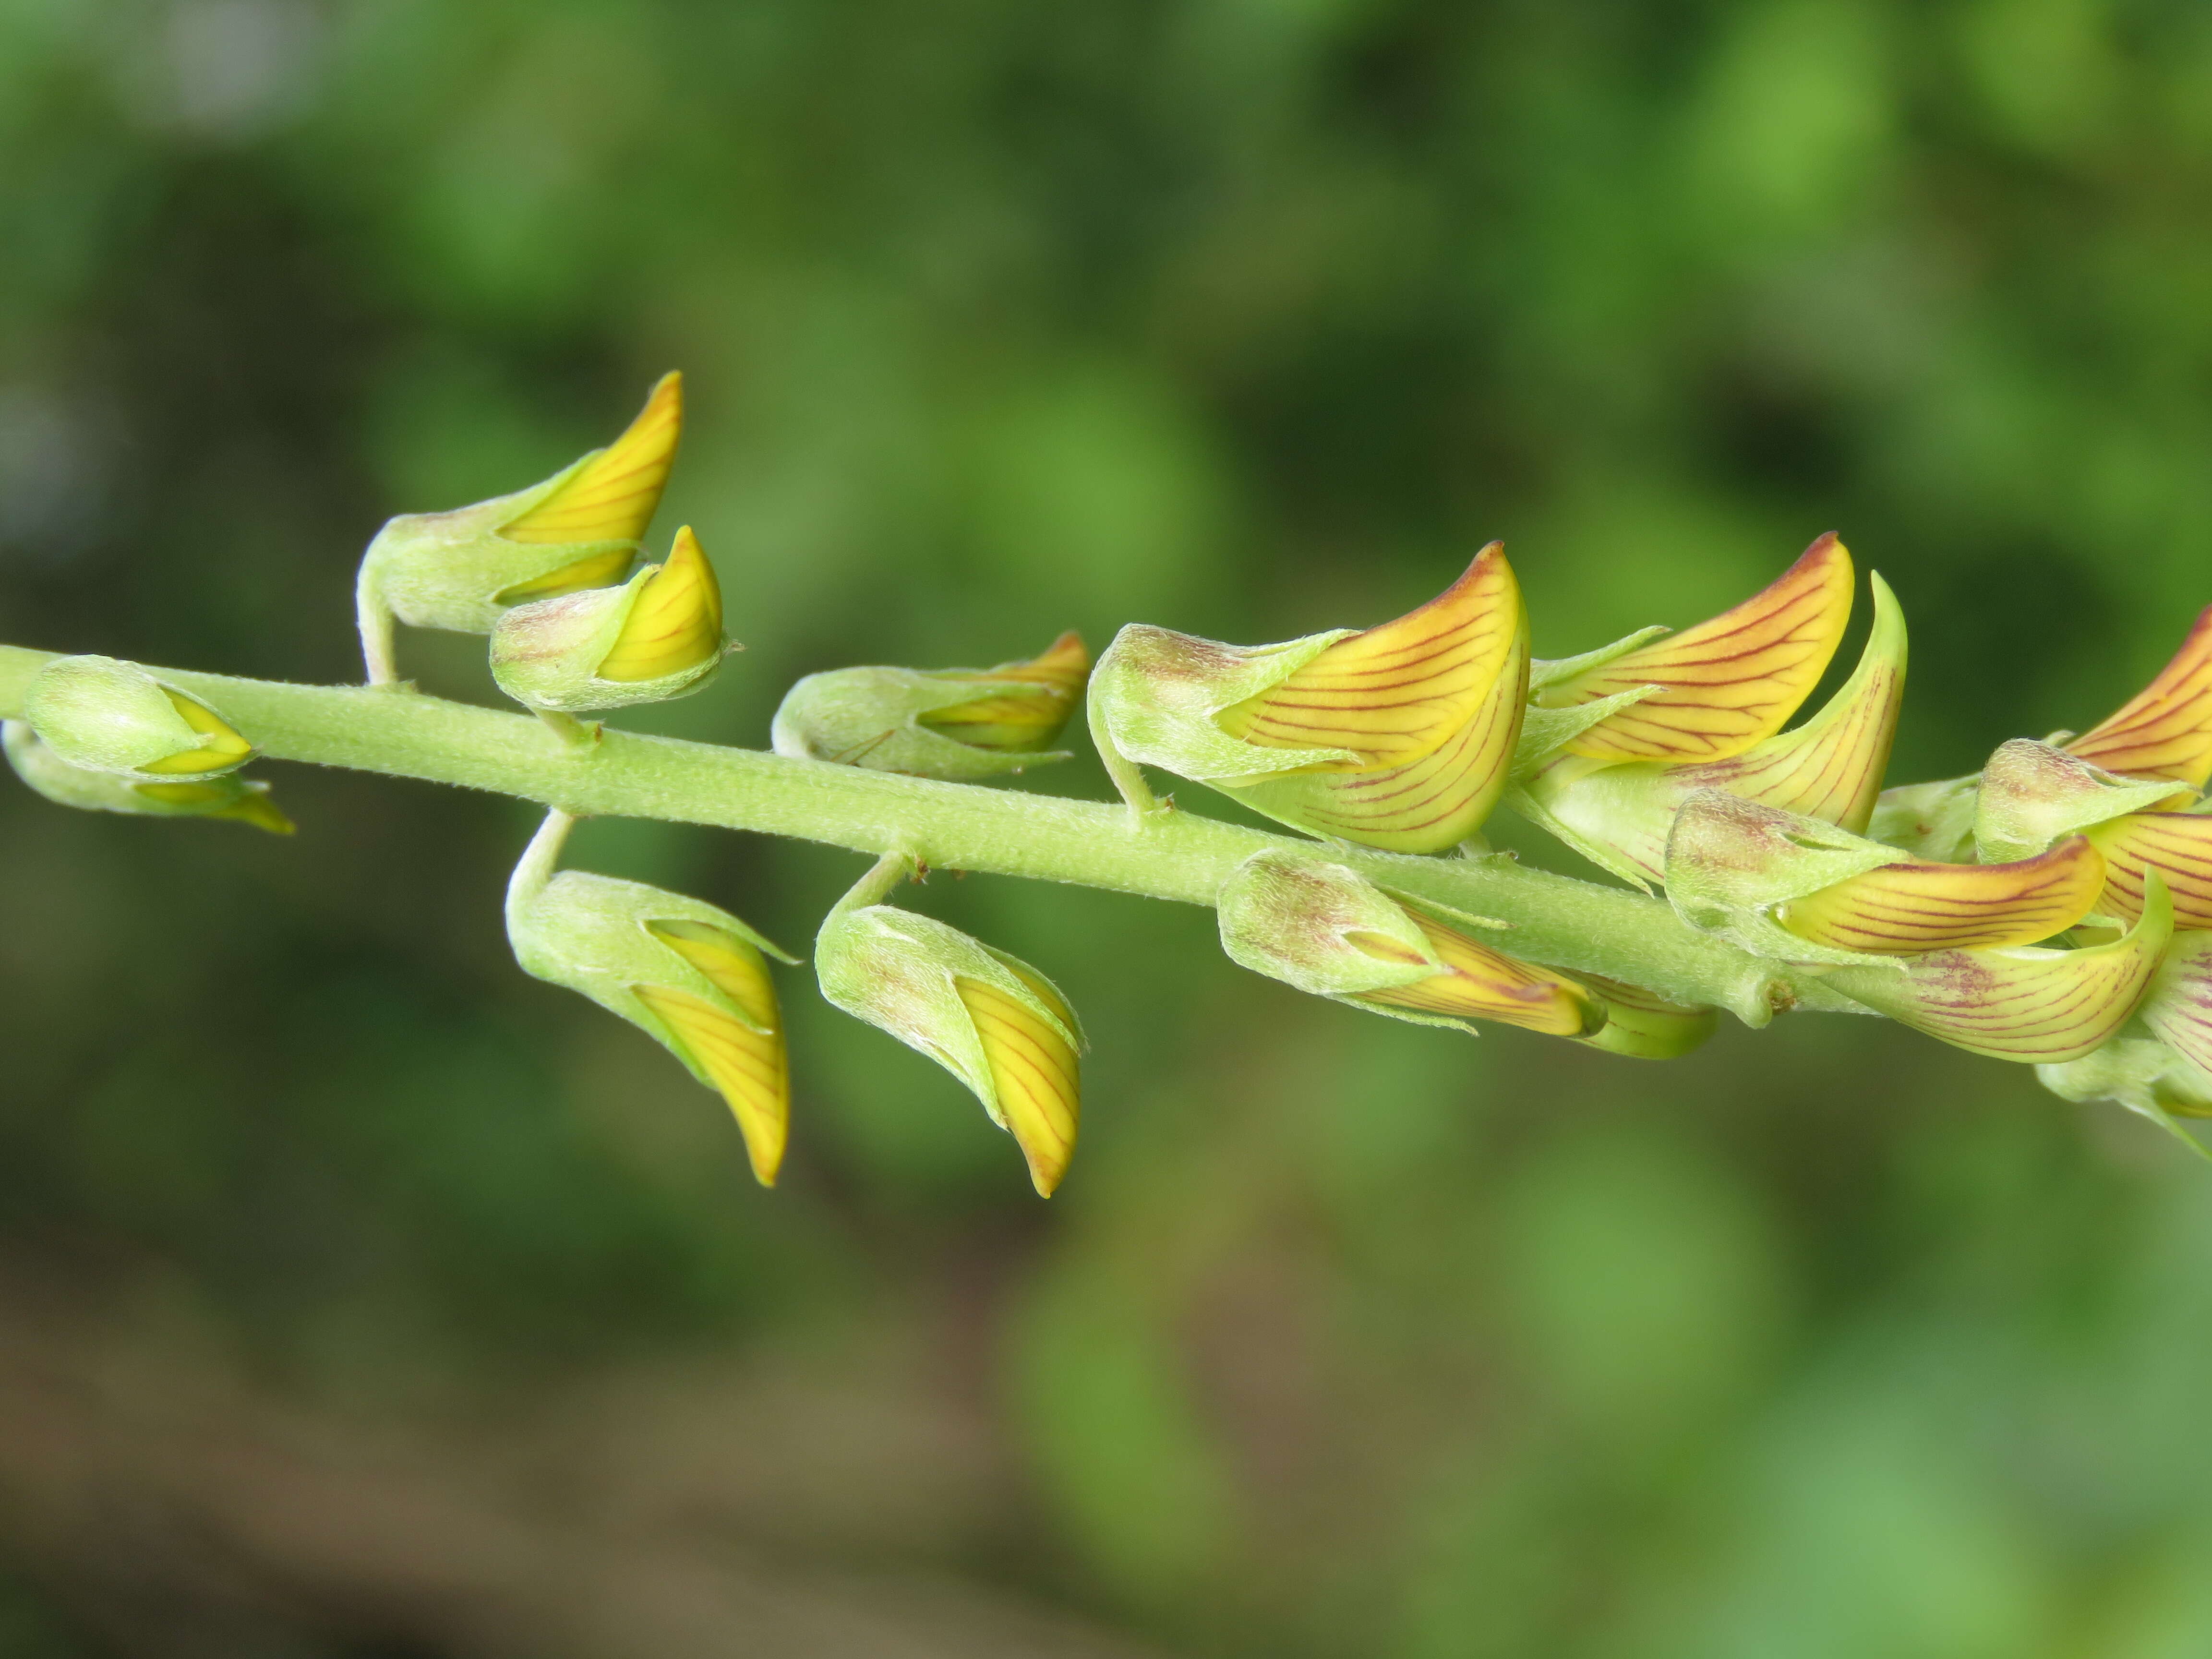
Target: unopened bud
[(1400, 737), (691, 977), (936, 723), (240, 800), (657, 637), (577, 529), (1327, 929), (993, 1021), (111, 716)]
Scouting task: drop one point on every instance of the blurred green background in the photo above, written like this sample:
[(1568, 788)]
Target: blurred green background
[(362, 1299)]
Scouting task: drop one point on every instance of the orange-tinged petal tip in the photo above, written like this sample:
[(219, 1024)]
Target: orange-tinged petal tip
[(1728, 683), (2165, 731)]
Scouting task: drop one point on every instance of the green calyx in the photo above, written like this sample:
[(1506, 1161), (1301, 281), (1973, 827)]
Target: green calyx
[(2032, 796), (109, 716), (228, 796)]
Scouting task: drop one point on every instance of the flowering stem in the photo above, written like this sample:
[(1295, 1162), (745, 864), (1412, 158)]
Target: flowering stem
[(1166, 855)]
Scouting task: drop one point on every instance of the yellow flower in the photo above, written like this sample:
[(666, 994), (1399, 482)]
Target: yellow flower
[(991, 1020), (658, 635), (1398, 737), (1618, 812)]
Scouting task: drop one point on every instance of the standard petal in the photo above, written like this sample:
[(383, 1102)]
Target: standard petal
[(2023, 1002), (1402, 691), (1034, 1072), (1725, 684), (613, 495), (1829, 769), (1423, 805), (2165, 730), (747, 1066), (2177, 845), (1028, 715), (1906, 910), (676, 623)]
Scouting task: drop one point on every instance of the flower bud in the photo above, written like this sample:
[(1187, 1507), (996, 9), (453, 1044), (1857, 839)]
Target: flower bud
[(1791, 887), (1325, 928), (1400, 737), (2023, 1002), (691, 977), (657, 637), (110, 716), (228, 796), (577, 529), (1932, 820), (1618, 813), (993, 1021), (942, 723)]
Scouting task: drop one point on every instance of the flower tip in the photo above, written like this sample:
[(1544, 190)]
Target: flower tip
[(1728, 683), (612, 497), (2165, 730), (675, 623)]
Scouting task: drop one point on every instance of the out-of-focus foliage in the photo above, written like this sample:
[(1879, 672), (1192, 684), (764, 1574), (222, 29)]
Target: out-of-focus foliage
[(1248, 318)]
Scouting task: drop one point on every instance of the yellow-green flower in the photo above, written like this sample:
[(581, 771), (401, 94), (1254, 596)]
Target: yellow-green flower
[(1325, 929), (937, 723), (1397, 736), (227, 797), (991, 1020), (657, 637), (691, 977), (111, 716), (1723, 712)]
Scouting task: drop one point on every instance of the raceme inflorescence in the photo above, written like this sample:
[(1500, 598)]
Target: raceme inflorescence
[(2054, 909)]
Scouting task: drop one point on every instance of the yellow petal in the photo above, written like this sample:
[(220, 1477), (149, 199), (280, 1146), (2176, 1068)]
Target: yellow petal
[(224, 748), (2165, 730), (1424, 805), (1831, 767), (1479, 983), (676, 621), (1904, 909), (2180, 1006), (1034, 1072), (1430, 705), (748, 1067), (735, 966), (612, 498), (1727, 684), (228, 798), (2023, 1002), (2177, 845), (1030, 715), (1402, 691), (598, 570)]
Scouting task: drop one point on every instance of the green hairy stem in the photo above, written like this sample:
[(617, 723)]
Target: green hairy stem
[(1172, 855)]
